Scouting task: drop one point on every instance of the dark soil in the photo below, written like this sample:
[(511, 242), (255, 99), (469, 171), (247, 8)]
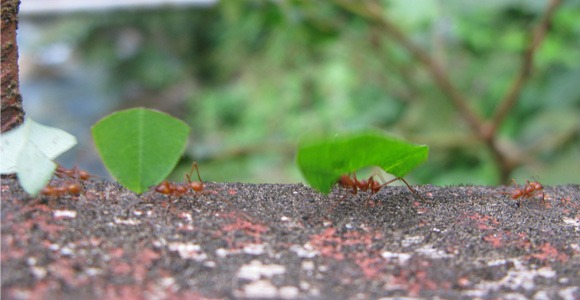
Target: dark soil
[(288, 241)]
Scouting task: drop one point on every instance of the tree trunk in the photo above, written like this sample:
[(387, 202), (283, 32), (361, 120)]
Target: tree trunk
[(12, 113)]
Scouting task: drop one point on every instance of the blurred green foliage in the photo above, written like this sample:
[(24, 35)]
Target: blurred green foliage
[(253, 77)]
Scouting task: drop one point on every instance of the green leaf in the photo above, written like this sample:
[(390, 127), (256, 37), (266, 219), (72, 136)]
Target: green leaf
[(323, 162), (139, 146), (28, 151)]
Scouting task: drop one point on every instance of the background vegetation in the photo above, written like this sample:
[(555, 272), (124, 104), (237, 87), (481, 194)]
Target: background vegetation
[(253, 77)]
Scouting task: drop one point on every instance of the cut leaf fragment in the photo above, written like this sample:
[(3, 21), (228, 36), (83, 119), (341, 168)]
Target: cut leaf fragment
[(323, 162), (34, 169), (28, 151), (140, 146)]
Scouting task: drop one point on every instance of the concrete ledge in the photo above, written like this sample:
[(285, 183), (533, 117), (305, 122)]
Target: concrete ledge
[(287, 241)]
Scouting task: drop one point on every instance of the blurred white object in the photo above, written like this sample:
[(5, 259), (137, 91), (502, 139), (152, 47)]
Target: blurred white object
[(34, 7)]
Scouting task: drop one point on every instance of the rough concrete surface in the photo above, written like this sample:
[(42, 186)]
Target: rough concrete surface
[(287, 241)]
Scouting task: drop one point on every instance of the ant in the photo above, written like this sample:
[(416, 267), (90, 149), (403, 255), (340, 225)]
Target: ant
[(529, 190), (370, 184), (75, 173), (70, 188), (58, 191), (356, 185), (173, 189)]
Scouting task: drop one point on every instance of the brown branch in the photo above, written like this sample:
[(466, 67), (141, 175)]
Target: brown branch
[(409, 92), (484, 131), (513, 93), (372, 11)]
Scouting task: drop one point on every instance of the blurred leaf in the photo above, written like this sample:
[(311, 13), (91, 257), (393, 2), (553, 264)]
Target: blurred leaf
[(562, 91), (562, 169), (139, 146), (28, 151), (323, 162), (551, 129), (413, 13)]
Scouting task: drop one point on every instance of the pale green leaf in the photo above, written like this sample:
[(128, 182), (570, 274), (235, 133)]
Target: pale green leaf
[(34, 169), (28, 151)]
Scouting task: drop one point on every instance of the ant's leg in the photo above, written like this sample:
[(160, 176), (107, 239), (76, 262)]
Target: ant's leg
[(515, 184), (385, 183), (528, 184), (410, 188), (60, 171), (544, 199), (336, 204), (75, 170), (197, 170), (355, 185), (405, 182), (369, 200), (77, 175), (188, 176), (369, 184)]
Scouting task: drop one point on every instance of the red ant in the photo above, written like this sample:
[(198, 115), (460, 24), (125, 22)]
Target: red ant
[(70, 188), (369, 185), (62, 172), (173, 189), (528, 191), (58, 191), (356, 185)]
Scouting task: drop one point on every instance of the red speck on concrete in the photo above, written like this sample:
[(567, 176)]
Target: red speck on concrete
[(483, 222), (549, 253), (242, 223), (414, 280), (339, 247), (493, 239)]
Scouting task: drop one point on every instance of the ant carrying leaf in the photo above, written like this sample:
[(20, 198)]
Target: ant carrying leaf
[(324, 162), (130, 142), (370, 184), (69, 188), (74, 173), (59, 191), (174, 189), (178, 190)]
